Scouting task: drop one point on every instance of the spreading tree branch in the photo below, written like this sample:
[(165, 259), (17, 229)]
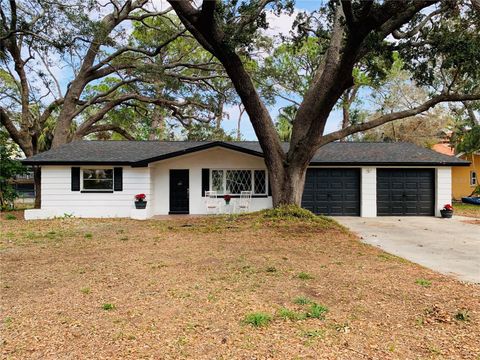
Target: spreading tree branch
[(352, 129)]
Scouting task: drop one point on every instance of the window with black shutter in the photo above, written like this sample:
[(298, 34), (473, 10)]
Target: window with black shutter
[(205, 181), (75, 183), (118, 179)]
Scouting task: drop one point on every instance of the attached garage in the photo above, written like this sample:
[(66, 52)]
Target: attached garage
[(334, 191), (405, 192)]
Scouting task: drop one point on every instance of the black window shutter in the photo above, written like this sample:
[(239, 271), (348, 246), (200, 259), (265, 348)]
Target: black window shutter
[(118, 179), (205, 181), (75, 179), (269, 187)]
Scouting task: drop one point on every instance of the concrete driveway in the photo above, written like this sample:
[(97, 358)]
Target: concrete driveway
[(449, 246)]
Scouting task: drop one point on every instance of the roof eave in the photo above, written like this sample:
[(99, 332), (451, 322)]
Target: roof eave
[(383, 163), (54, 162)]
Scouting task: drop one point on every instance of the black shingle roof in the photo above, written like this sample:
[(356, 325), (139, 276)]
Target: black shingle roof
[(140, 153)]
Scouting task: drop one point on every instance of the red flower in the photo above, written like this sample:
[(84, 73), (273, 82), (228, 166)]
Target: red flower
[(140, 197), (448, 207), (227, 197)]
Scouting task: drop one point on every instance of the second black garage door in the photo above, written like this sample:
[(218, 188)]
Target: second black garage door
[(405, 192), (332, 192)]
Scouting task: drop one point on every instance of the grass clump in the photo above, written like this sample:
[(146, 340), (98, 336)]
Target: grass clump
[(302, 300), (10, 217), (88, 236), (288, 314), (258, 319), (108, 307), (423, 282), (305, 276), (462, 315), (317, 311), (85, 290)]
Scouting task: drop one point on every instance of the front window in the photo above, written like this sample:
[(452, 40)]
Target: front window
[(97, 179), (473, 178), (235, 181)]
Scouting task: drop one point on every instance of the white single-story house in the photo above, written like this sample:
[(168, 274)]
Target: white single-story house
[(100, 178)]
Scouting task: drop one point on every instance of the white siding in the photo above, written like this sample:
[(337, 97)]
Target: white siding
[(216, 158), (443, 190), (368, 194), (58, 199)]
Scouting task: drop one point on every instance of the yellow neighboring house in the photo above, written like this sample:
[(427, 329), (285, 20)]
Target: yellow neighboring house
[(464, 179)]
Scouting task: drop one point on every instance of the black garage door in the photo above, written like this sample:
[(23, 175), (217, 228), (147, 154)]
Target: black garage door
[(405, 192), (332, 192)]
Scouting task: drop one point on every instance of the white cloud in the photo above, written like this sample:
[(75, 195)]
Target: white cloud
[(280, 24)]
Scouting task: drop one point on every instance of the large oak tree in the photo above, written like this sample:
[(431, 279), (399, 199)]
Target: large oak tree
[(433, 37)]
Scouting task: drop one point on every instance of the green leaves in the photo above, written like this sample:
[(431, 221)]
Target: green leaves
[(10, 168)]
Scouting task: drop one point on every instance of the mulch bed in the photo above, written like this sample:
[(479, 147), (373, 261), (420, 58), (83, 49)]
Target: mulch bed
[(180, 289)]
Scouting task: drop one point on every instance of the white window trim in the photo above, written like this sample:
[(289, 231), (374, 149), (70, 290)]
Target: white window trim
[(82, 189), (473, 178), (252, 177)]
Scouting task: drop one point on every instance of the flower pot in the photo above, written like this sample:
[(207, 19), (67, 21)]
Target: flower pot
[(447, 214), (140, 204), (227, 202)]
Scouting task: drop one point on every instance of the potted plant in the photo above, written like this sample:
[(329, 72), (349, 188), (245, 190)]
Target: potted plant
[(140, 202), (447, 211), (227, 198)]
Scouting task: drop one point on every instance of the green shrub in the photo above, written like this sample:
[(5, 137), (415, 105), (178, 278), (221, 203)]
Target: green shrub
[(258, 319)]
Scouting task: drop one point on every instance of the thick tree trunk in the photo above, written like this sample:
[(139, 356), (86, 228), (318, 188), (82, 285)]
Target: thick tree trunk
[(64, 121), (287, 189), (37, 180)]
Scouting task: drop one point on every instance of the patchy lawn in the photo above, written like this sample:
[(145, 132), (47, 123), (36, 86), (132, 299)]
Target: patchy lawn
[(222, 288), (467, 210)]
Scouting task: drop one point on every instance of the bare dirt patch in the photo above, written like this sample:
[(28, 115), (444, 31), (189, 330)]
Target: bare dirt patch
[(73, 288)]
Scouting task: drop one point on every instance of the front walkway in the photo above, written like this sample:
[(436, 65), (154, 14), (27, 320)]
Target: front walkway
[(449, 246)]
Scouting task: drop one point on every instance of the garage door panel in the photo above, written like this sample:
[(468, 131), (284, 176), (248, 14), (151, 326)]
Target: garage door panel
[(320, 197), (397, 185), (334, 191), (405, 192)]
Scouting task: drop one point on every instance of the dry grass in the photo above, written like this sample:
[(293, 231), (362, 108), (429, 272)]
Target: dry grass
[(467, 210), (187, 288)]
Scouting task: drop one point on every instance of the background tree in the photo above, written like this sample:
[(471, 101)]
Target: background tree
[(10, 166), (351, 32)]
